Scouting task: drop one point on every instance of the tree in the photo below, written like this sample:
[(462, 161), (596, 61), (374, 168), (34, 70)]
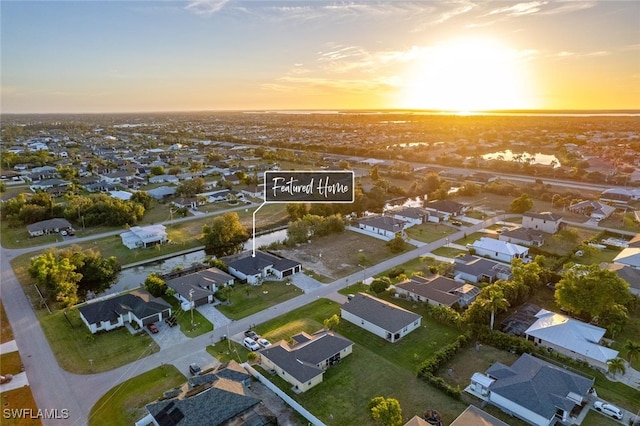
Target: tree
[(155, 285), (633, 350), (396, 245), (142, 197), (332, 322), (190, 187), (156, 171), (615, 366), (494, 300), (297, 210), (380, 285), (590, 291), (387, 411), (374, 173), (225, 235), (522, 204), (57, 275), (98, 273)]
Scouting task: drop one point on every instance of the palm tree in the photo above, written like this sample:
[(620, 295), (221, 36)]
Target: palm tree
[(495, 301), (616, 365), (633, 350)]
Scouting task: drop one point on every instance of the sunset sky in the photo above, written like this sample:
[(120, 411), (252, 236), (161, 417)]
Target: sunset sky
[(131, 56)]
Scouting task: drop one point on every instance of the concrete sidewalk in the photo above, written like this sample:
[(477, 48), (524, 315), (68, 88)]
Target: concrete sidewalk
[(19, 380), (7, 347)]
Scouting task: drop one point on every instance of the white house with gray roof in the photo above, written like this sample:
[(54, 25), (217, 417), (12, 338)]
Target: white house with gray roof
[(479, 269), (545, 222), (382, 227), (254, 269), (533, 390), (303, 363), (570, 337), (380, 317), (499, 250)]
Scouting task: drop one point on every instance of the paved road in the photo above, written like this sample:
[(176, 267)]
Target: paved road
[(54, 388)]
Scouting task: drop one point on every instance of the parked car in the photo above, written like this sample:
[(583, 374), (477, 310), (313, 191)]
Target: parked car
[(250, 344), (194, 369), (456, 223), (152, 328), (263, 342), (251, 334), (608, 409)]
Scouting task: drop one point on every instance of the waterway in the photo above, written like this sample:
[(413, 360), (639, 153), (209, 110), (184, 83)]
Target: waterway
[(131, 278)]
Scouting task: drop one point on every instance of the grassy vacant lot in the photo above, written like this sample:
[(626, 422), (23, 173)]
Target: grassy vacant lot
[(375, 368), (10, 363), (124, 404), (74, 346), (6, 334), (247, 299), (448, 252), (430, 232), (201, 325)]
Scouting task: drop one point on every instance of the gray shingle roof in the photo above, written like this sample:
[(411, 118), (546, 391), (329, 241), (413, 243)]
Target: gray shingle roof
[(379, 312), (211, 407), (300, 360), (437, 289), (537, 385), (111, 309), (55, 223), (249, 265)]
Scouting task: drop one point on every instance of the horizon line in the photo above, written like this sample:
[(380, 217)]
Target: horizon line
[(352, 110)]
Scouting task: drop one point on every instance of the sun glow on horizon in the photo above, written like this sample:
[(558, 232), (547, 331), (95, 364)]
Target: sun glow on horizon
[(468, 75)]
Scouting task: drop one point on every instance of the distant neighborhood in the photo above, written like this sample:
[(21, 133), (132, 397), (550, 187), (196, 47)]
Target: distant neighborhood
[(494, 287)]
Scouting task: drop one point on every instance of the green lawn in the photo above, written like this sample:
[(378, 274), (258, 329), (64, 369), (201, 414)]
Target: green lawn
[(6, 334), (10, 363), (448, 252), (375, 368), (429, 232), (124, 404), (471, 238), (201, 325), (19, 399), (78, 351), (247, 299)]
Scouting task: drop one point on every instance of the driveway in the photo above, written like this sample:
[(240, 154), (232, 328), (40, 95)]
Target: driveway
[(305, 282)]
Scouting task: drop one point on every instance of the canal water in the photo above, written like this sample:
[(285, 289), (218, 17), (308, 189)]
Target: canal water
[(131, 278)]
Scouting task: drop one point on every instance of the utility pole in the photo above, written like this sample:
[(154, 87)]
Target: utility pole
[(191, 305)]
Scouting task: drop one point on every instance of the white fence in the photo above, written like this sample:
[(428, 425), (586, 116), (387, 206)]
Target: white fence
[(286, 398)]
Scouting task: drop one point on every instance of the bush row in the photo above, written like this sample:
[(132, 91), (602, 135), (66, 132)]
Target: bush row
[(433, 364)]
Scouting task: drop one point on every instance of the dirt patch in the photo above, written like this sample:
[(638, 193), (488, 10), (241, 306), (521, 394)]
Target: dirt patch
[(337, 255), (285, 414)]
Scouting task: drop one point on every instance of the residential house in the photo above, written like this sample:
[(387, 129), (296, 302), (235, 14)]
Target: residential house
[(187, 203), (113, 312), (117, 177), (255, 269), (222, 397), (379, 317), (499, 250), (533, 390), (477, 269), (255, 191), (121, 195), (525, 236), (144, 236), (303, 363), (594, 209), (164, 179), (162, 192), (620, 195), (447, 208), (383, 227), (629, 256), (199, 287), (48, 226), (411, 215), (571, 338), (46, 184), (474, 416), (629, 274), (438, 291), (545, 222)]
